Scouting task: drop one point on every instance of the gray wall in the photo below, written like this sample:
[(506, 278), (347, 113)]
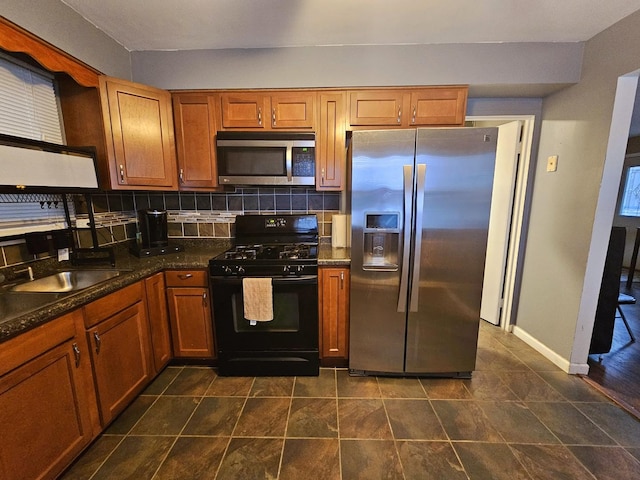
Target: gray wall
[(489, 68), (56, 23), (575, 126)]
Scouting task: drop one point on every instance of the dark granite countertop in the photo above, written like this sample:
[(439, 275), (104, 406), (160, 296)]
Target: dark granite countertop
[(329, 256), (24, 311), (20, 312)]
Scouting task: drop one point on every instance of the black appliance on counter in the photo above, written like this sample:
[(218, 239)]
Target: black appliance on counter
[(283, 251), (154, 234)]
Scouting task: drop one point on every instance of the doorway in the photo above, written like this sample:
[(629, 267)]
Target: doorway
[(502, 272)]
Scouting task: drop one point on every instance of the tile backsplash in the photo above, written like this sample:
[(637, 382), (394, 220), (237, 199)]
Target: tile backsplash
[(190, 215)]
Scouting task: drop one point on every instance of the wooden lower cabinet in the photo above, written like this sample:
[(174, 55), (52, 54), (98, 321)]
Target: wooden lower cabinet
[(119, 338), (47, 407), (190, 314), (334, 315), (156, 295)]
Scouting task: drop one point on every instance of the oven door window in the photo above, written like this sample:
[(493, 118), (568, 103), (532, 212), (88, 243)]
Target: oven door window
[(286, 314), (295, 315)]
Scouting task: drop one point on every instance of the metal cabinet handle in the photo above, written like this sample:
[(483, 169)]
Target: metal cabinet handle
[(341, 280), (413, 115), (181, 175), (121, 173), (274, 117), (204, 299), (185, 276), (76, 354), (96, 338), (259, 116), (399, 114), (322, 175)]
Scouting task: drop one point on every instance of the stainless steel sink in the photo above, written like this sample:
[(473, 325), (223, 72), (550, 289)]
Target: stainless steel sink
[(67, 281)]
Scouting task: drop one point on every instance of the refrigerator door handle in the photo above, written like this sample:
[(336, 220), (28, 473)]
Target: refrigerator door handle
[(417, 249), (406, 241)]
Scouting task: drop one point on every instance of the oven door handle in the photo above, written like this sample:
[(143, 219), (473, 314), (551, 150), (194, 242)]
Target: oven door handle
[(303, 279)]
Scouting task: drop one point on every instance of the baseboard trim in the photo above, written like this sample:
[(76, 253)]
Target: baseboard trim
[(561, 362)]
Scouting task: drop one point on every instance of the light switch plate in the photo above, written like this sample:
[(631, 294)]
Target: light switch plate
[(552, 163)]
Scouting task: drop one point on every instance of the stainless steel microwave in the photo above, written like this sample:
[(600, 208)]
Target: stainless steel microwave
[(266, 158)]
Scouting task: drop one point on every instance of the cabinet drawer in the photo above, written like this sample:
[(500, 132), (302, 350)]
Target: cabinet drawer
[(186, 278), (113, 303)]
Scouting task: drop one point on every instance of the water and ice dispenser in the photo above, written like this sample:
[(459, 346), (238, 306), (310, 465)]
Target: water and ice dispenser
[(381, 241)]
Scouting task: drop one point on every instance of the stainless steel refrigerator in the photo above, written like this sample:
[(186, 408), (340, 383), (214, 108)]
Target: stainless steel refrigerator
[(420, 202)]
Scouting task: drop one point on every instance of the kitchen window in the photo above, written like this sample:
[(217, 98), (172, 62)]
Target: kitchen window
[(29, 109)]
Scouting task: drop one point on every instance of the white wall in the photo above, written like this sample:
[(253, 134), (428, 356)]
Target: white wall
[(59, 25), (557, 303)]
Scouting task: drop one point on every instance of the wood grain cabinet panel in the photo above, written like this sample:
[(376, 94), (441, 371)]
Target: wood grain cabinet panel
[(130, 125), (376, 107), (46, 403), (409, 107), (330, 141), (334, 314), (190, 314), (121, 355), (196, 127), (119, 339), (438, 106), (268, 110), (245, 110), (157, 312)]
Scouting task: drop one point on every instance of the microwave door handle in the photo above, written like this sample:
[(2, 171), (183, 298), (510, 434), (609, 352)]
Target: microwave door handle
[(288, 162)]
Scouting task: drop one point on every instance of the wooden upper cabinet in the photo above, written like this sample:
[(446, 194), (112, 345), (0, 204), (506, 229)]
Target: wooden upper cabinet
[(427, 106), (268, 110), (195, 126), (142, 149), (131, 127), (293, 110), (376, 107), (330, 141), (438, 106)]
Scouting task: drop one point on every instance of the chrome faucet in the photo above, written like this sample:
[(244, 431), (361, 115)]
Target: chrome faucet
[(27, 270)]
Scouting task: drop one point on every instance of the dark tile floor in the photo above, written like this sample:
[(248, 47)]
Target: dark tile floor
[(519, 417)]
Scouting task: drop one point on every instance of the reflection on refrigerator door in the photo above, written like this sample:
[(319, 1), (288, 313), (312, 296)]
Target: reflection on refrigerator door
[(420, 203)]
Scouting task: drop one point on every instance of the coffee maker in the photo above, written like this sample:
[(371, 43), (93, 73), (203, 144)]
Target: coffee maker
[(153, 228), (153, 234)]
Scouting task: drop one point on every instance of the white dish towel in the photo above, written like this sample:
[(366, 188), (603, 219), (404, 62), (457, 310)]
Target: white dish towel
[(257, 297)]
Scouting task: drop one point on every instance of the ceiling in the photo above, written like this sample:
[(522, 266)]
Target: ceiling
[(218, 24)]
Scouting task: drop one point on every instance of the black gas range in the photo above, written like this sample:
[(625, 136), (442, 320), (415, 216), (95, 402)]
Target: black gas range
[(281, 251)]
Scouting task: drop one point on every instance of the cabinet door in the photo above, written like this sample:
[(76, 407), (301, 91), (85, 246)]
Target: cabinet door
[(191, 324), (244, 110), (121, 359), (334, 312), (158, 320), (140, 134), (195, 124), (438, 106), (293, 110), (330, 142), (44, 411), (375, 107)]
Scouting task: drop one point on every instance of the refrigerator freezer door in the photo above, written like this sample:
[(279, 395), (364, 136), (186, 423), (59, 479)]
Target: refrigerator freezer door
[(377, 328), (442, 335)]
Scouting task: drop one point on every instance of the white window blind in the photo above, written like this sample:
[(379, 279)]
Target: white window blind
[(28, 109), (28, 103)]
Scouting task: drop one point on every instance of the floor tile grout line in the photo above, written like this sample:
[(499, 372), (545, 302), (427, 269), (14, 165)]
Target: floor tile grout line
[(286, 427)]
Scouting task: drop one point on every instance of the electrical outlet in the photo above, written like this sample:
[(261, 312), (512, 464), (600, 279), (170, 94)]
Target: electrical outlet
[(552, 163)]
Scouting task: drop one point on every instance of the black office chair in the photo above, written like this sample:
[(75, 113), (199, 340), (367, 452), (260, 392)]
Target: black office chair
[(624, 299)]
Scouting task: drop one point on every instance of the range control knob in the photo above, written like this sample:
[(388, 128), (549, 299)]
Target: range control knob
[(227, 270), (286, 270), (240, 270)]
